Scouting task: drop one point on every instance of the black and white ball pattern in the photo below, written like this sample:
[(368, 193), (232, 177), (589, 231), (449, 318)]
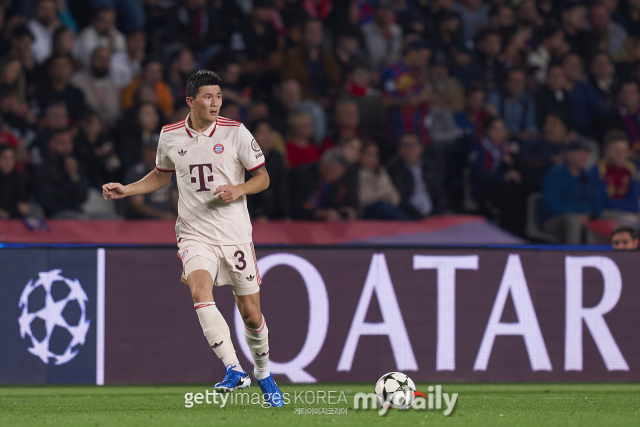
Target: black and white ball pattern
[(397, 389)]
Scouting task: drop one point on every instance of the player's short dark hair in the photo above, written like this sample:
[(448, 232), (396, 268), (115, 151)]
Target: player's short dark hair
[(625, 229), (201, 78)]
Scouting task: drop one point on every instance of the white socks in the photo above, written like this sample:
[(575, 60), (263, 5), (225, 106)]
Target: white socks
[(258, 342), (217, 333)]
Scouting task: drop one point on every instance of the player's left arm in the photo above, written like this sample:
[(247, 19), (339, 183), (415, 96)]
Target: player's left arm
[(259, 182)]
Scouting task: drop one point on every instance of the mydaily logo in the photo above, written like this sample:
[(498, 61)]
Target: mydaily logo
[(433, 400)]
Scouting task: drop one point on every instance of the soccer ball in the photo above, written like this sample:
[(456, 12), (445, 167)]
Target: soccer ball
[(396, 390)]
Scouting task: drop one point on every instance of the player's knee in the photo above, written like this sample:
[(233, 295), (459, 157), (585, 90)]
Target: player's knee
[(252, 319), (201, 289)]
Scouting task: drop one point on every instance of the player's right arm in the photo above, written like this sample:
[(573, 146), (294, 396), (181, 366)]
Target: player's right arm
[(155, 180)]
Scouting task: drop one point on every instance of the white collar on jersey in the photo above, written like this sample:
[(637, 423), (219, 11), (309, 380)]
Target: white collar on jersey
[(208, 132)]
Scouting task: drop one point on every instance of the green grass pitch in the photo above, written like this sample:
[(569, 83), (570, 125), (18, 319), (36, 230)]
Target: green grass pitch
[(164, 405)]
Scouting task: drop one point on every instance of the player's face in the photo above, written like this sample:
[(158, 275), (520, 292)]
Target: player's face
[(623, 241), (207, 103)]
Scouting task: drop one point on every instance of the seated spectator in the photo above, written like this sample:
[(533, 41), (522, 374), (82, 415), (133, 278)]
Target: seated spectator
[(517, 48), (447, 92), (416, 178), (383, 37), (100, 92), (14, 202), (471, 120), (12, 77), (151, 73), (125, 66), (56, 86), (624, 238), (256, 39), (351, 149), (552, 46), (347, 50), (60, 184), (288, 100), (101, 33), (300, 150), (42, 25), (617, 179), (347, 119), (367, 98), (608, 31), (96, 151), (316, 192), (162, 203), (570, 197), (312, 66), (626, 115), (602, 78), (55, 118), (496, 181), (516, 107), (573, 24), (474, 16), (447, 24), (181, 65), (405, 94), (62, 43), (489, 47), (587, 107), (553, 97), (231, 86), (20, 47), (377, 196), (187, 28), (144, 130), (272, 203), (230, 110)]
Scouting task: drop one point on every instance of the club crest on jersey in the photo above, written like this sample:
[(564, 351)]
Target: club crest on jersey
[(218, 148), (255, 145)]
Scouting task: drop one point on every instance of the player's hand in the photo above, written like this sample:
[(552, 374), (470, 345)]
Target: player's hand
[(228, 193), (113, 191)]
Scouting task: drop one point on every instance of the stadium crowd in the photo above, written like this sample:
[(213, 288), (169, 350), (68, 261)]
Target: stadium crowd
[(374, 109)]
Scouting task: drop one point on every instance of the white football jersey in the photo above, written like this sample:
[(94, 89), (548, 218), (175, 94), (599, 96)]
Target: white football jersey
[(203, 162)]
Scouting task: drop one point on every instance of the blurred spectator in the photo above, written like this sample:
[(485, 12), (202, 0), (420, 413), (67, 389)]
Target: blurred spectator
[(162, 203), (125, 66), (447, 92), (573, 23), (316, 192), (144, 130), (489, 47), (60, 183), (617, 178), (151, 73), (347, 119), (347, 50), (496, 181), (611, 34), (588, 108), (230, 110), (372, 114), (62, 41), (131, 13), (351, 149), (406, 94), (12, 77), (471, 120), (231, 85), (101, 33), (198, 26), (416, 178), (57, 87), (94, 149), (447, 35), (272, 203), (624, 238), (20, 47), (300, 150), (602, 78), (256, 38), (313, 67), (570, 197), (552, 46), (13, 186), (528, 14), (42, 26), (378, 197), (289, 100), (55, 118), (100, 92), (516, 107), (553, 97), (474, 15), (383, 37), (625, 114), (181, 66), (517, 48)]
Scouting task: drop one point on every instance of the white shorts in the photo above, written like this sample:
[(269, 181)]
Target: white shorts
[(234, 265)]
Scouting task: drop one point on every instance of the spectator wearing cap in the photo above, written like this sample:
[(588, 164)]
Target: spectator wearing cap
[(570, 197), (56, 87), (151, 73), (312, 66), (272, 203), (60, 184), (13, 186), (101, 33), (162, 203), (617, 178), (406, 94), (474, 15), (515, 105), (602, 78), (608, 31), (317, 192), (587, 107), (553, 97), (383, 37), (580, 40), (552, 46), (100, 92), (417, 178), (625, 114), (624, 238)]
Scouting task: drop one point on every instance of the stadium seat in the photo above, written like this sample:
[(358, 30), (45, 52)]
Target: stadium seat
[(533, 230)]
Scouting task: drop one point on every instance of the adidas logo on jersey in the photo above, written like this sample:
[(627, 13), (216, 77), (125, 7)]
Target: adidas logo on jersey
[(218, 344), (182, 152), (250, 278)]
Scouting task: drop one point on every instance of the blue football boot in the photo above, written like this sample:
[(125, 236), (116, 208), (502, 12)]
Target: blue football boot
[(270, 391), (234, 380)]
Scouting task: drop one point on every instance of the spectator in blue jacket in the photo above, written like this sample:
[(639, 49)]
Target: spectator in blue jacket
[(588, 108), (570, 196), (516, 107), (617, 178)]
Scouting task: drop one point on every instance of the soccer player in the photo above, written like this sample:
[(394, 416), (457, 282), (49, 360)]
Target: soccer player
[(209, 155)]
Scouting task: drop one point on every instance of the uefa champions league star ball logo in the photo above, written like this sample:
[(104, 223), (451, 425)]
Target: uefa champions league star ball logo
[(57, 311)]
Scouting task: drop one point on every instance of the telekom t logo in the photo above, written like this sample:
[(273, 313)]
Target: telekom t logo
[(203, 187)]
